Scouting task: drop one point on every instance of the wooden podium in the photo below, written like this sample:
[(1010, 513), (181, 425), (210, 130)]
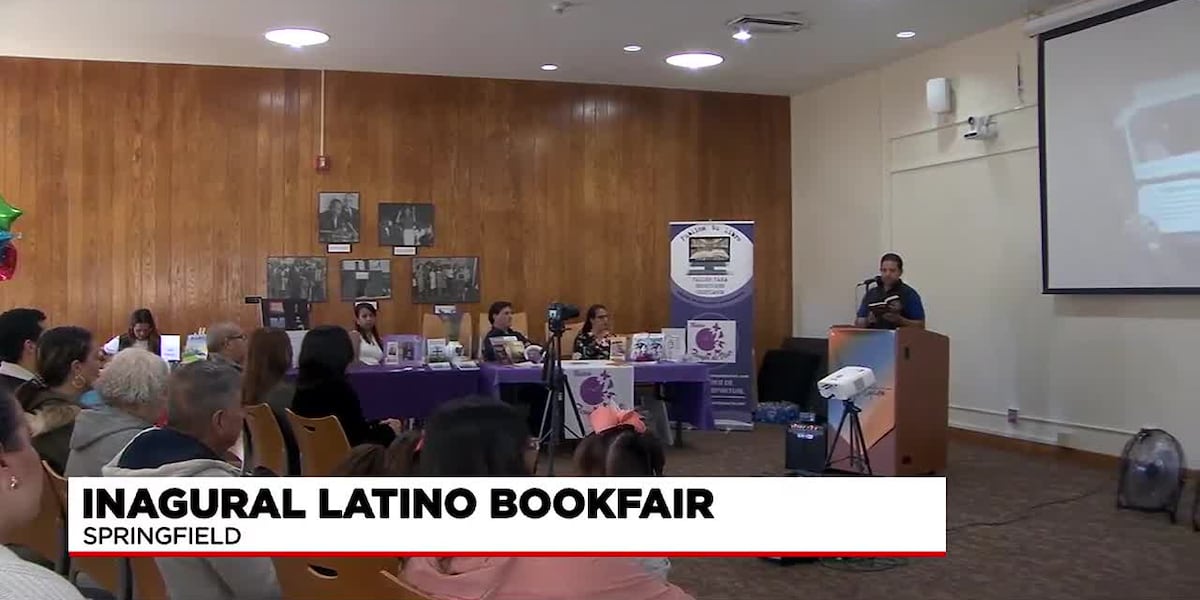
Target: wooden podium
[(905, 416)]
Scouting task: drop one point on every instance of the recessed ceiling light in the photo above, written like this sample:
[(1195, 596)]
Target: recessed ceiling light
[(632, 48), (549, 67), (695, 60), (904, 35), (297, 38), (742, 35)]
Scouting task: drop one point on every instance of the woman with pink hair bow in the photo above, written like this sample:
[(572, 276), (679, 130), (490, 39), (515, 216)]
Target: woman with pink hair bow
[(620, 446)]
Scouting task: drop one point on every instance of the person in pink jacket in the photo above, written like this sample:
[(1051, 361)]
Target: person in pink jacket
[(485, 438)]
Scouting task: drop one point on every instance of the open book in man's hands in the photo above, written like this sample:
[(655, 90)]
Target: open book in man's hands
[(887, 305)]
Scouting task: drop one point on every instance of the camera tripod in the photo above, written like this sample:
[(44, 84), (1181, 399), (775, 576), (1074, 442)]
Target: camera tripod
[(859, 457), (558, 395)]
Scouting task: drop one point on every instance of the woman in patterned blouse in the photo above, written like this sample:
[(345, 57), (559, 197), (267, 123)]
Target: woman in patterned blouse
[(592, 342)]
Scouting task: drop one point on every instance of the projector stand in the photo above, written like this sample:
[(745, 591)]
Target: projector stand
[(860, 459)]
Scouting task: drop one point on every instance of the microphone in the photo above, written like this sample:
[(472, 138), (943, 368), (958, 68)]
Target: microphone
[(877, 280)]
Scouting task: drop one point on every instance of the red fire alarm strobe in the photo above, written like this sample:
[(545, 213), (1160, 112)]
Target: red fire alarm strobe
[(322, 163)]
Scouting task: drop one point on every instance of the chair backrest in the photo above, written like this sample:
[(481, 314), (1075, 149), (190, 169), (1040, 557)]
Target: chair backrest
[(106, 572), (147, 581), (568, 338), (266, 439), (337, 578), (407, 592), (433, 327), (322, 443)]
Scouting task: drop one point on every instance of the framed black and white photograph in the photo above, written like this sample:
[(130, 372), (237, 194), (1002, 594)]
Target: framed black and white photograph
[(445, 280), (405, 224), (297, 278), (364, 279), (338, 218)]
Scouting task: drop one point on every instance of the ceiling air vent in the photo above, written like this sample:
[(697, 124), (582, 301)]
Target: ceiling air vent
[(788, 22)]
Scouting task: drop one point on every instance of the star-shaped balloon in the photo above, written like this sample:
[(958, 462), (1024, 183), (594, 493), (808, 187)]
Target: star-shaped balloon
[(8, 214)]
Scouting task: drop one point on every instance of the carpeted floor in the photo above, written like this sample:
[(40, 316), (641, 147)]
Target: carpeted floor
[(1083, 549)]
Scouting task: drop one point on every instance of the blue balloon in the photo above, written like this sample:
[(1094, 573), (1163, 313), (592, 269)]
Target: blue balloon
[(5, 237)]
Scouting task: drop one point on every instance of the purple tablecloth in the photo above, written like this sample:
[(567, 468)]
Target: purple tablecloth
[(687, 386), (408, 391)]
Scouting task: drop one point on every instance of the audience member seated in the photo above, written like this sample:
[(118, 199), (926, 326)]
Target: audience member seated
[(67, 365), (593, 339), (368, 348), (21, 483), (322, 388), (620, 446), (204, 420), (20, 329), (484, 438), (143, 333), (398, 459), (267, 362), (500, 316), (133, 393), (227, 344)]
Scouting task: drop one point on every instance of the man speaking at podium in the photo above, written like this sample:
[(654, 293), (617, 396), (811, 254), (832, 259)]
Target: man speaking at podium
[(891, 303)]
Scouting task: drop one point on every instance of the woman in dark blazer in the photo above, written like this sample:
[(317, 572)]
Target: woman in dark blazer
[(322, 388)]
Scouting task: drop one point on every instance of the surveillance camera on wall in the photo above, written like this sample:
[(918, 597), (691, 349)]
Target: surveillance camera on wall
[(980, 128)]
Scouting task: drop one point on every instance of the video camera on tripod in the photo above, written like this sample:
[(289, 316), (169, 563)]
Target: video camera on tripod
[(558, 393), (557, 315)]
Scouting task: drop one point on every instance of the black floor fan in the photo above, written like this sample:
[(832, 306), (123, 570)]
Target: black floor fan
[(1152, 473)]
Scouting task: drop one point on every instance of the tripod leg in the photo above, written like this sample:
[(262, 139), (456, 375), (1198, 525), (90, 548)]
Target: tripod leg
[(864, 459), (569, 398), (837, 437)]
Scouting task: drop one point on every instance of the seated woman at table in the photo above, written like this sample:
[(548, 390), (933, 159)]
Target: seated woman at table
[(592, 341), (142, 333), (323, 389), (368, 347), (263, 382), (482, 438)]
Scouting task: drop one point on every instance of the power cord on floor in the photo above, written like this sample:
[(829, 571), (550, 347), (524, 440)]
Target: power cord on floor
[(863, 565), (1028, 512)]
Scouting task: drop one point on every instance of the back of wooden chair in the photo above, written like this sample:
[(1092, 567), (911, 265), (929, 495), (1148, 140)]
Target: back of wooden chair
[(337, 578), (407, 592), (147, 581), (322, 443), (104, 571), (266, 439), (433, 327), (568, 338)]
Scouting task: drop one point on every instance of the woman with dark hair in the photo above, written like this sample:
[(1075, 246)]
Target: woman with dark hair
[(143, 333), (484, 438), (593, 339), (67, 365), (267, 361), (398, 459), (21, 483), (322, 388), (368, 348), (620, 446)]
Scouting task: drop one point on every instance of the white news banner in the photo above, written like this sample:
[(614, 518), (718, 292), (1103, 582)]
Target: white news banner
[(676, 516)]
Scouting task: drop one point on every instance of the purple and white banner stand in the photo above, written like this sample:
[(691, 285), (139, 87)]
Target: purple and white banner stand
[(712, 297)]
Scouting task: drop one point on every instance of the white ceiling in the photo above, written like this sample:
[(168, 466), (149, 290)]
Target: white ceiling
[(505, 38)]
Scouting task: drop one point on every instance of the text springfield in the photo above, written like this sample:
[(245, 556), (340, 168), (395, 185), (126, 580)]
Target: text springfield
[(401, 503)]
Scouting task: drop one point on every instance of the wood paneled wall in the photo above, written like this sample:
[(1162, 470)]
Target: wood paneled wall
[(168, 186)]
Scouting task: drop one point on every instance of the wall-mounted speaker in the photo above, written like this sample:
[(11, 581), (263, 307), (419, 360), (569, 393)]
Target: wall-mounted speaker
[(938, 96)]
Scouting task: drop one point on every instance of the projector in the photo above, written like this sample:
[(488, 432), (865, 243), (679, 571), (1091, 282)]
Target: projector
[(846, 383)]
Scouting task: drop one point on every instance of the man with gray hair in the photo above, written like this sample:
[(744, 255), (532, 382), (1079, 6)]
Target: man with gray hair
[(204, 420), (133, 389), (227, 344)]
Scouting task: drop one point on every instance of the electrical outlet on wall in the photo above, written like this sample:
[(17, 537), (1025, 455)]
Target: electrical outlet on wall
[(1013, 415)]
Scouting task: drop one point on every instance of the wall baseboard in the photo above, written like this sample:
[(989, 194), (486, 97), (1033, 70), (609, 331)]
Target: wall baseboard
[(1040, 448)]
